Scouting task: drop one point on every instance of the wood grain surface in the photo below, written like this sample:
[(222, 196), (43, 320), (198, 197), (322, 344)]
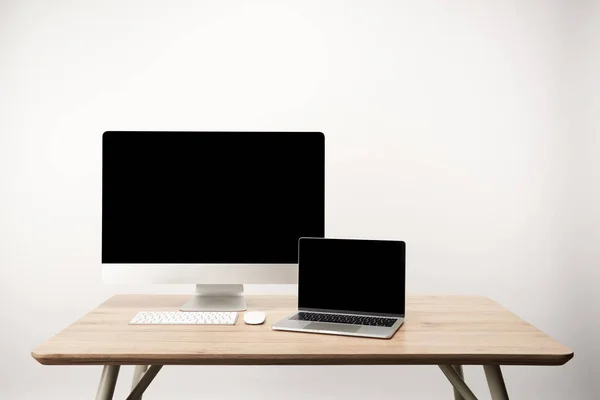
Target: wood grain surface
[(438, 330)]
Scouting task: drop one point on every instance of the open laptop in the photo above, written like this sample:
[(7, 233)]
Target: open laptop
[(349, 287)]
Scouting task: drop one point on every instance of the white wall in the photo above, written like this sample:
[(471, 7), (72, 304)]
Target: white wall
[(582, 130), (466, 128)]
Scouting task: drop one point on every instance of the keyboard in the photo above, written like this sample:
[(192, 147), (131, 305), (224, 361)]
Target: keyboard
[(183, 318), (345, 319)]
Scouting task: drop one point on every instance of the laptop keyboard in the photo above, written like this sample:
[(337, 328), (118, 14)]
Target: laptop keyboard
[(345, 319)]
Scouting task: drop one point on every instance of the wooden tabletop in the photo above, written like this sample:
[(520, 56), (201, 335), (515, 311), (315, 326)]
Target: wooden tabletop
[(438, 330)]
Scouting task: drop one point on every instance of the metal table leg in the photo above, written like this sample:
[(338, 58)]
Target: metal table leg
[(144, 382), (459, 371), (493, 374), (108, 381), (138, 372), (458, 383)]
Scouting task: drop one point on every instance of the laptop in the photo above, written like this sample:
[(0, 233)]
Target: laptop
[(349, 287)]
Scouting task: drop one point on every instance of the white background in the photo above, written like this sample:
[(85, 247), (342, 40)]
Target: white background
[(469, 129)]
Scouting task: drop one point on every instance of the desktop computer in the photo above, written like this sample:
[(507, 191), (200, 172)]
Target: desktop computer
[(215, 209)]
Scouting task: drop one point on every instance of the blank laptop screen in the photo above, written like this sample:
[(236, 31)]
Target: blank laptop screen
[(361, 276)]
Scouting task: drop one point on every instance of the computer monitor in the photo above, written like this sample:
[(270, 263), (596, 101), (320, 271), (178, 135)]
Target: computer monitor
[(215, 209)]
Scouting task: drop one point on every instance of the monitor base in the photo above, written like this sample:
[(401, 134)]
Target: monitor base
[(217, 298)]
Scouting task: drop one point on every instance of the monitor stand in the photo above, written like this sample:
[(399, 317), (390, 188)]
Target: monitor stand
[(217, 298)]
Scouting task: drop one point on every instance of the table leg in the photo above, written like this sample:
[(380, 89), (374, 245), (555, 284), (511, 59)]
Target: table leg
[(138, 372), (493, 374), (458, 383), (139, 389), (459, 371), (108, 381)]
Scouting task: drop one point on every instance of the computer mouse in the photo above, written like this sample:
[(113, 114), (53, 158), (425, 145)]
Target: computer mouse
[(254, 317)]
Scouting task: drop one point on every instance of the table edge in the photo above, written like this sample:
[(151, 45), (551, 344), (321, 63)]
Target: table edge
[(306, 359)]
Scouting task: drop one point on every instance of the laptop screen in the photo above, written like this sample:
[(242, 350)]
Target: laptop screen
[(360, 276)]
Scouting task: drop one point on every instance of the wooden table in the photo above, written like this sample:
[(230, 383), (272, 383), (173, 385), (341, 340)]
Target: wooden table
[(449, 331)]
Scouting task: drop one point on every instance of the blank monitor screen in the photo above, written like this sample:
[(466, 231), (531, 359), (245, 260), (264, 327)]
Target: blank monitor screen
[(211, 197), (357, 276)]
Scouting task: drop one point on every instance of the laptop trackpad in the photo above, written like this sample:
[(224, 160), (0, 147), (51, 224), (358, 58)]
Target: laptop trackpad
[(319, 326)]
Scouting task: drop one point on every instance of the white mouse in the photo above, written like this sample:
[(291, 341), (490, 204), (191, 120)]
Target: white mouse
[(254, 317)]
